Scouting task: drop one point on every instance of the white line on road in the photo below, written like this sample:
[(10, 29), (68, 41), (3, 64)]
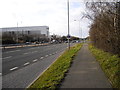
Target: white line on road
[(7, 57), (25, 53), (50, 54), (41, 57), (13, 68), (53, 53), (12, 51), (35, 60), (46, 55), (26, 63), (34, 51)]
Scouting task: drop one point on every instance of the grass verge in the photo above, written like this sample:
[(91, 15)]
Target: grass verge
[(110, 65), (53, 76)]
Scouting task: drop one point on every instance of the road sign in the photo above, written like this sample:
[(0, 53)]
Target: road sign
[(68, 36)]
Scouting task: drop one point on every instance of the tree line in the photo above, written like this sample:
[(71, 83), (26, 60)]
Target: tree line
[(105, 28), (13, 38)]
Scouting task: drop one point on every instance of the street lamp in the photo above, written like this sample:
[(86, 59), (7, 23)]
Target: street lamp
[(17, 32), (79, 27), (68, 26)]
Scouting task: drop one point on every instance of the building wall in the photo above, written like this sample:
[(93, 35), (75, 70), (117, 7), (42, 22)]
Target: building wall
[(22, 33), (38, 30)]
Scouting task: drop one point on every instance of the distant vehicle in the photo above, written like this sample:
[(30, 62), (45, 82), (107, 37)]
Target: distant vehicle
[(36, 42), (66, 41), (77, 41), (73, 41), (27, 43)]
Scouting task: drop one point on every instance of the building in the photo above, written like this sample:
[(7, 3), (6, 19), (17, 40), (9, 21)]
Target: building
[(36, 33)]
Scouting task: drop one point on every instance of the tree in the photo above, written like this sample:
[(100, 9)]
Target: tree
[(105, 27)]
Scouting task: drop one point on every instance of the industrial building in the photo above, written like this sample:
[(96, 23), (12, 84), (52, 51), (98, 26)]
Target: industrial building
[(29, 33)]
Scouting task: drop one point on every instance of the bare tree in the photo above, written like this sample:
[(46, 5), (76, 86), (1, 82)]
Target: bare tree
[(105, 27)]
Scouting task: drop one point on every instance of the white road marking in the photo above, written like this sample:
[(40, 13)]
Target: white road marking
[(12, 51), (41, 57), (13, 68), (35, 60), (55, 52), (34, 51), (25, 53), (50, 54), (7, 57), (26, 63), (46, 55)]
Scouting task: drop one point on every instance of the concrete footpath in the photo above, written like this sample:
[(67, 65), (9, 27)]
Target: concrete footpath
[(85, 72)]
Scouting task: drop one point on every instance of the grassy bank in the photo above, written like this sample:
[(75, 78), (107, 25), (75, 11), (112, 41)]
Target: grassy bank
[(53, 76), (110, 65)]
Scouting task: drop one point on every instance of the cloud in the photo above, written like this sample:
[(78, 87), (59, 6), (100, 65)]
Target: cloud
[(52, 13)]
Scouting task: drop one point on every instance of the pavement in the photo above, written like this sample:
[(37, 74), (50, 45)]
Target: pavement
[(85, 72)]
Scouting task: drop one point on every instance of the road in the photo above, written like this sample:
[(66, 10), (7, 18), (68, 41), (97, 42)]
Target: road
[(20, 66)]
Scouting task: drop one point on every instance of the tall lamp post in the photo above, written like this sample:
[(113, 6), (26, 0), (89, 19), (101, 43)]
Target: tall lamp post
[(79, 27), (17, 32), (68, 26)]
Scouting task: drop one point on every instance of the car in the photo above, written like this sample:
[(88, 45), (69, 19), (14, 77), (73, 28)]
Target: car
[(27, 43)]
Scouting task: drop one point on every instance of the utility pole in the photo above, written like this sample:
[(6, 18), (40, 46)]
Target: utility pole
[(68, 26), (17, 32), (80, 30)]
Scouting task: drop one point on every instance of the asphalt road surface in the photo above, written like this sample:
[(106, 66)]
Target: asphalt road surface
[(20, 66)]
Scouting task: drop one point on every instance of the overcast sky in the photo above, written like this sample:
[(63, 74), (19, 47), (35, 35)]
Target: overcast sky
[(52, 13)]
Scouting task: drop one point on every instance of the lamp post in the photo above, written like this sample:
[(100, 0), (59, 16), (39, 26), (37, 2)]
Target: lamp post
[(79, 28), (17, 32), (68, 26)]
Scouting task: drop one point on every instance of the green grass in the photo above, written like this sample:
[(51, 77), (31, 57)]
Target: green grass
[(53, 76), (110, 65)]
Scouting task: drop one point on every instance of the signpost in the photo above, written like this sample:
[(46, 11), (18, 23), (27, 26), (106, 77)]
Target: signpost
[(68, 26)]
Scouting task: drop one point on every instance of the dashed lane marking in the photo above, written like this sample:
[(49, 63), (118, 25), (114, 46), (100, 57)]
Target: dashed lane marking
[(41, 57), (25, 53), (34, 51), (26, 63), (35, 60), (7, 57), (12, 51), (13, 68), (46, 55), (50, 54), (53, 53)]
